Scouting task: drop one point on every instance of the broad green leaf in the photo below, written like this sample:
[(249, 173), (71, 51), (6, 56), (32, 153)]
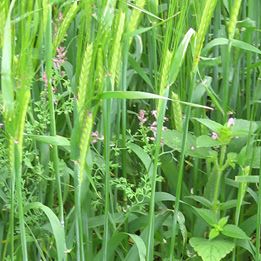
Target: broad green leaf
[(243, 128), (131, 95), (182, 227), (248, 245), (200, 89), (234, 232), (235, 43), (213, 43), (249, 224), (52, 140), (98, 221), (159, 220), (173, 139), (179, 57), (211, 250), (230, 204), (207, 214), (212, 125), (245, 46), (247, 179), (143, 156), (6, 67), (204, 201), (137, 95), (115, 240), (207, 142), (252, 157), (222, 222), (164, 196), (140, 245), (214, 232), (140, 71), (57, 228)]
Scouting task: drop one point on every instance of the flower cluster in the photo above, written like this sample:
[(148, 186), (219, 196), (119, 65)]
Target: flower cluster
[(143, 117), (230, 123), (95, 137), (60, 57), (45, 80)]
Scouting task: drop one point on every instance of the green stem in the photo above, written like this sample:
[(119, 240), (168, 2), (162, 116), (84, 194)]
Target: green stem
[(181, 167), (78, 213), (18, 171), (107, 131), (219, 168), (161, 112), (54, 151), (258, 220)]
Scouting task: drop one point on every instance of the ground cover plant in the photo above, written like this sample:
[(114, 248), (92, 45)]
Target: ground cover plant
[(130, 130)]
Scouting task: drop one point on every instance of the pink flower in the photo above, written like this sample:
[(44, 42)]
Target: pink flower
[(214, 136), (95, 136), (154, 113), (231, 122), (44, 78), (60, 57), (60, 16), (142, 117)]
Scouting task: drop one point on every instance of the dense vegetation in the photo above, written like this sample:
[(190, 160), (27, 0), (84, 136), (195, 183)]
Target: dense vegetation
[(130, 130)]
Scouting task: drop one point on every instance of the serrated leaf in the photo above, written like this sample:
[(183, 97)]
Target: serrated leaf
[(211, 250), (234, 232)]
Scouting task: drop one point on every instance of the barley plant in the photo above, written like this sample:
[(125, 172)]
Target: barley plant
[(130, 130)]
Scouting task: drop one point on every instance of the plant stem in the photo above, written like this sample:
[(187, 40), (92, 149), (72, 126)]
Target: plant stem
[(161, 113), (181, 167), (54, 151), (107, 131), (78, 213), (19, 182)]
